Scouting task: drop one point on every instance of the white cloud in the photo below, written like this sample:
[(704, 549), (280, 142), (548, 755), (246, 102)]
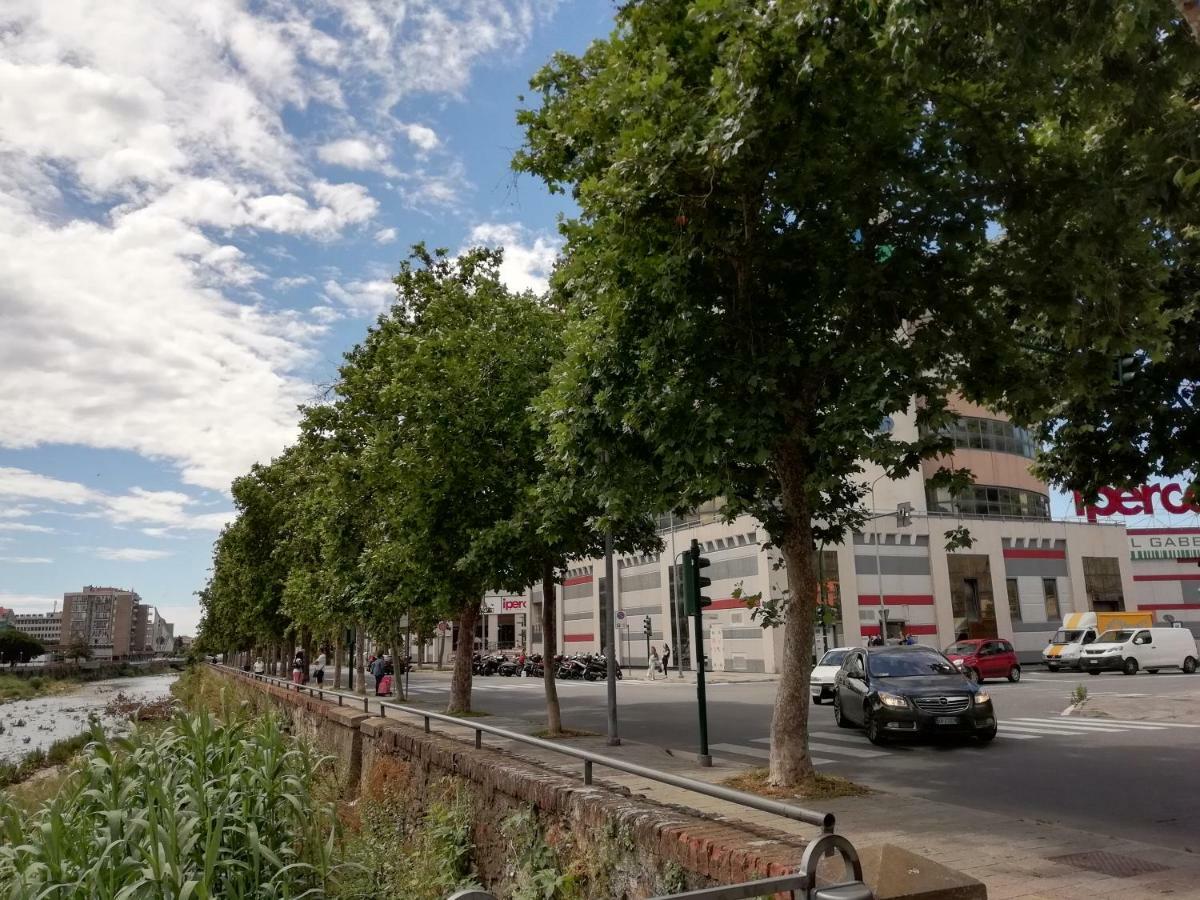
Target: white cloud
[(363, 298), (528, 258), (146, 146), (28, 529), (355, 153), (127, 554), (26, 560), (165, 509), (423, 137), (28, 602), (292, 281), (385, 235)]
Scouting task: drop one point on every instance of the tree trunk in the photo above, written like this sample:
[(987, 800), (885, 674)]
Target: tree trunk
[(338, 649), (360, 657), (397, 664), (790, 759), (460, 681), (549, 601), (441, 650)]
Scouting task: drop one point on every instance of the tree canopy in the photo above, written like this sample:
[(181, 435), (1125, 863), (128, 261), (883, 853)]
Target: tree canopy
[(797, 216)]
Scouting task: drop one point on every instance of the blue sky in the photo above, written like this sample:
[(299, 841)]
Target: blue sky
[(200, 208)]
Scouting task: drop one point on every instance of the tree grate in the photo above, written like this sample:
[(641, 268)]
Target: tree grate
[(1113, 864)]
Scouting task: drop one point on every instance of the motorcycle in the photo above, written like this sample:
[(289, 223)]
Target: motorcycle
[(571, 667), (508, 668), (597, 668), (533, 667)]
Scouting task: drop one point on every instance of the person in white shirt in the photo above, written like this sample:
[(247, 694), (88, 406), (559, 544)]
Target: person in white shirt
[(319, 668)]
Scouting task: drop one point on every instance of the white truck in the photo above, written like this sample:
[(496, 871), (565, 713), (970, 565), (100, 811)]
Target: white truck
[(1080, 629)]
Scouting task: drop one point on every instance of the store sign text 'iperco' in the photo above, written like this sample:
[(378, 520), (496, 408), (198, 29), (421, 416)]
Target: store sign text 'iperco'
[(1147, 500)]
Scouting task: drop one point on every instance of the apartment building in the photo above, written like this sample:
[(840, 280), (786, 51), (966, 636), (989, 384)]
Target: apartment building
[(105, 618), (46, 627)]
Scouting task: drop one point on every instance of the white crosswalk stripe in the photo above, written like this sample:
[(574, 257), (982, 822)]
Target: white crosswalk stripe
[(1081, 725), (754, 752), (1038, 730)]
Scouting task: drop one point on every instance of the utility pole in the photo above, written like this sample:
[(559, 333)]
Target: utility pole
[(610, 635)]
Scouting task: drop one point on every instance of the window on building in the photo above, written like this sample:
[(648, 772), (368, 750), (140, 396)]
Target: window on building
[(1014, 600), (1102, 583), (971, 597), (988, 501), (974, 433), (1050, 592)]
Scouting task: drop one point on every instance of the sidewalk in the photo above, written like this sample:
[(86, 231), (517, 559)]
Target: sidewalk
[(1014, 857), (1180, 709)]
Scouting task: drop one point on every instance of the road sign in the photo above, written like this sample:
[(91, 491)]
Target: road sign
[(620, 614)]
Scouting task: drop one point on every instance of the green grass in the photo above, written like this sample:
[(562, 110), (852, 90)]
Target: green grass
[(13, 687), (56, 754)]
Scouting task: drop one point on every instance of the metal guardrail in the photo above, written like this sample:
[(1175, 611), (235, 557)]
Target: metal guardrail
[(824, 821)]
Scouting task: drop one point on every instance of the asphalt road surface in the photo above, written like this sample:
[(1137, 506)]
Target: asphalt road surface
[(1134, 780)]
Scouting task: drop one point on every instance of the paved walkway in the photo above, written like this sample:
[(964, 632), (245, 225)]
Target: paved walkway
[(1181, 708)]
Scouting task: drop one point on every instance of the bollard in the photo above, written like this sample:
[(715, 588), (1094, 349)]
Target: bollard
[(427, 724), (587, 771), (478, 739)]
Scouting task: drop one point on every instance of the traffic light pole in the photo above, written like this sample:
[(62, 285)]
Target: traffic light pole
[(693, 583), (610, 637)]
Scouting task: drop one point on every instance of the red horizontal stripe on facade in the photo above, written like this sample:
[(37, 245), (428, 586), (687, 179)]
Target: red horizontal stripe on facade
[(873, 630), (1179, 577), (1188, 560), (896, 600), (1023, 553), (1162, 530), (726, 603), (1142, 606), (582, 579), (577, 638)]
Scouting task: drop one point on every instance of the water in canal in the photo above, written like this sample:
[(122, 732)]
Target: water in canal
[(36, 724)]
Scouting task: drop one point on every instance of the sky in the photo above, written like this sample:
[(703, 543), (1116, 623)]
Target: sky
[(201, 204)]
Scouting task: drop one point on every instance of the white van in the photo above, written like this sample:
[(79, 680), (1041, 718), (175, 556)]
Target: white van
[(1129, 649)]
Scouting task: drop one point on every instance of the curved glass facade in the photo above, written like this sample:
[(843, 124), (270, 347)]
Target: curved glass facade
[(989, 500), (973, 433)]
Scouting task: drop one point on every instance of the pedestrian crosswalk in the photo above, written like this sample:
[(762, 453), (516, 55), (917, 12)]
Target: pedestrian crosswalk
[(830, 747)]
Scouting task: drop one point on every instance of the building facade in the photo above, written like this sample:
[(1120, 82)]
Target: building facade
[(46, 627), (1022, 574), (104, 618)]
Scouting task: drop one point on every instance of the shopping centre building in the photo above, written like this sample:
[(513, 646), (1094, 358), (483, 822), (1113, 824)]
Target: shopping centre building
[(1022, 574)]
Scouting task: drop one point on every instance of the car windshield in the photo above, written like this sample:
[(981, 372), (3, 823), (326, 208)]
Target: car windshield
[(832, 658), (1116, 636), (908, 665), (1062, 636), (963, 649)]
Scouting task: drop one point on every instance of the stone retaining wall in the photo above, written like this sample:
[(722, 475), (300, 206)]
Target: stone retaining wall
[(636, 847)]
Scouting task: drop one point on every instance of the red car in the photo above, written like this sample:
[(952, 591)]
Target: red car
[(983, 658)]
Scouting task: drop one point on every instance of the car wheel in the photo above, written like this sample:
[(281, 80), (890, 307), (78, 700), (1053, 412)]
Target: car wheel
[(1189, 665), (838, 716), (986, 737), (1093, 672), (1051, 668), (973, 676), (1152, 671), (1014, 674), (818, 699), (1130, 667), (874, 733)]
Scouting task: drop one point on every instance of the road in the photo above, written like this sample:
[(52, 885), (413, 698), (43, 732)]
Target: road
[(1131, 780)]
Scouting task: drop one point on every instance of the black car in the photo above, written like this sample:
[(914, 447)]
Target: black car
[(894, 691)]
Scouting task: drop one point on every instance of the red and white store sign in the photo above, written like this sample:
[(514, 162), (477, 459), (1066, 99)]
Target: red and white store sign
[(1147, 500), (504, 605)]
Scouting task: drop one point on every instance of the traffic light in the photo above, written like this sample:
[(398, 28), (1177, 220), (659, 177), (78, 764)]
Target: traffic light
[(693, 582), (1126, 369), (646, 626)]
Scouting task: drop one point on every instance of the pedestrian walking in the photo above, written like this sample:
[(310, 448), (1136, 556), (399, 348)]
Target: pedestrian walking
[(259, 666), (653, 664), (319, 668), (379, 669), (666, 658), (298, 669)]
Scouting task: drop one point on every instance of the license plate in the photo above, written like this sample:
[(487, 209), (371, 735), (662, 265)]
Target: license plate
[(946, 720)]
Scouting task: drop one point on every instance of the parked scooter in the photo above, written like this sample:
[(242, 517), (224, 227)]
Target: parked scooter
[(508, 668)]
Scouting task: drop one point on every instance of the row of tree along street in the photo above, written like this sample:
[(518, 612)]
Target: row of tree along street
[(794, 218)]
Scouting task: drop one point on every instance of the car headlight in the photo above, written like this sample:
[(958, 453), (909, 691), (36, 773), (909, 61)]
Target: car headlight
[(982, 697), (893, 700)]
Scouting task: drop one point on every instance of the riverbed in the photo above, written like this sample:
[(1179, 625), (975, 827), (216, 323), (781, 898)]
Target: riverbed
[(36, 724)]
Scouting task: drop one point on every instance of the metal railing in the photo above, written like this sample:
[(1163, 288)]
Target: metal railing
[(801, 885), (824, 821)]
